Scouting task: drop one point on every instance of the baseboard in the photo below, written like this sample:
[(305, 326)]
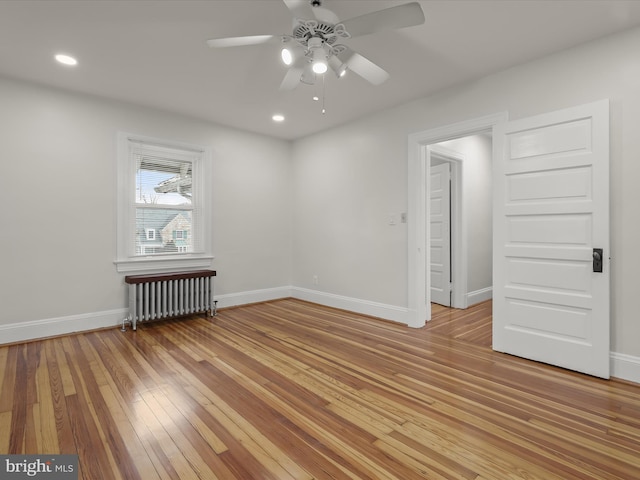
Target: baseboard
[(51, 327), (32, 330), (253, 296), (365, 307), (478, 296), (625, 367)]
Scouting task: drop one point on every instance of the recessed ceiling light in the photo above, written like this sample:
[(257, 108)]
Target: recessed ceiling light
[(66, 59), (278, 118), (315, 98)]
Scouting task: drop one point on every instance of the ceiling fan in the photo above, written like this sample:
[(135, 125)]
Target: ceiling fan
[(314, 46)]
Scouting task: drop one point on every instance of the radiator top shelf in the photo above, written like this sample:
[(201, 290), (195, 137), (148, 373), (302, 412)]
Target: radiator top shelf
[(160, 277)]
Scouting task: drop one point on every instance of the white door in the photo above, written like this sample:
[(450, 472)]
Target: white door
[(440, 231), (551, 210)]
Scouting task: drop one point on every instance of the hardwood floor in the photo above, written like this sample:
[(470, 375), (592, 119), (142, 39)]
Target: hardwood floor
[(291, 390)]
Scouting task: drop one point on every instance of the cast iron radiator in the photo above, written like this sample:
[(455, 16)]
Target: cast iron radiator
[(169, 295)]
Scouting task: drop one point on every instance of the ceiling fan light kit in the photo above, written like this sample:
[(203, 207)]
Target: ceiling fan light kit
[(318, 54), (308, 75), (311, 49), (291, 51), (287, 56), (339, 68)]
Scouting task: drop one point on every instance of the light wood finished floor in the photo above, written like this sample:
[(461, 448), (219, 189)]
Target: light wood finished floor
[(291, 390)]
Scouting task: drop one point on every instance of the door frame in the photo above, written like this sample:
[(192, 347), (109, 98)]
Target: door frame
[(418, 242), (458, 237)]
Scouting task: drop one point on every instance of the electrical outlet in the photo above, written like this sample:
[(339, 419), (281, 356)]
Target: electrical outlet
[(315, 279)]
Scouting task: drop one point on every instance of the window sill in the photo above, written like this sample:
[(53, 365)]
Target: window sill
[(156, 264)]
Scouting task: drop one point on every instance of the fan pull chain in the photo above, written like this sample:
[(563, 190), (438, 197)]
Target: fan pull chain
[(324, 110)]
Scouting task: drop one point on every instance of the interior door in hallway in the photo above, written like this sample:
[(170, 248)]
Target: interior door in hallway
[(440, 232)]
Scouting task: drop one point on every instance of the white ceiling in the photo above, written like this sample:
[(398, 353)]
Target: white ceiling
[(153, 52)]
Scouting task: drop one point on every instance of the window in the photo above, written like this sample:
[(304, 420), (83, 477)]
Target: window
[(164, 205)]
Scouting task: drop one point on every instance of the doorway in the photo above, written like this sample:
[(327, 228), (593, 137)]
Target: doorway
[(468, 263), (419, 255)]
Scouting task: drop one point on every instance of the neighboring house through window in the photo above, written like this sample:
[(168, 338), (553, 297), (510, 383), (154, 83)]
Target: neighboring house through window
[(164, 205)]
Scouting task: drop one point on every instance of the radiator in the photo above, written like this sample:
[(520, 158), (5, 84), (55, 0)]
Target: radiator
[(169, 295)]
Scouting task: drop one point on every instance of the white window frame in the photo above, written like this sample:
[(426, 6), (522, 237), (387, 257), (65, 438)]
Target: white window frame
[(126, 259), (150, 234)]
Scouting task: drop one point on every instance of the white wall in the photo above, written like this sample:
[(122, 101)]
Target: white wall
[(57, 224), (347, 180)]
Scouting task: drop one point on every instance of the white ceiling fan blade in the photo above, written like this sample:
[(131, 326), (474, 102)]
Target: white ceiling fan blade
[(300, 9), (363, 67), (241, 41), (401, 16)]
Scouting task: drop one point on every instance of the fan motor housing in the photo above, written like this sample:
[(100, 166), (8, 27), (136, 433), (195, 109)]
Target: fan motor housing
[(313, 28)]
